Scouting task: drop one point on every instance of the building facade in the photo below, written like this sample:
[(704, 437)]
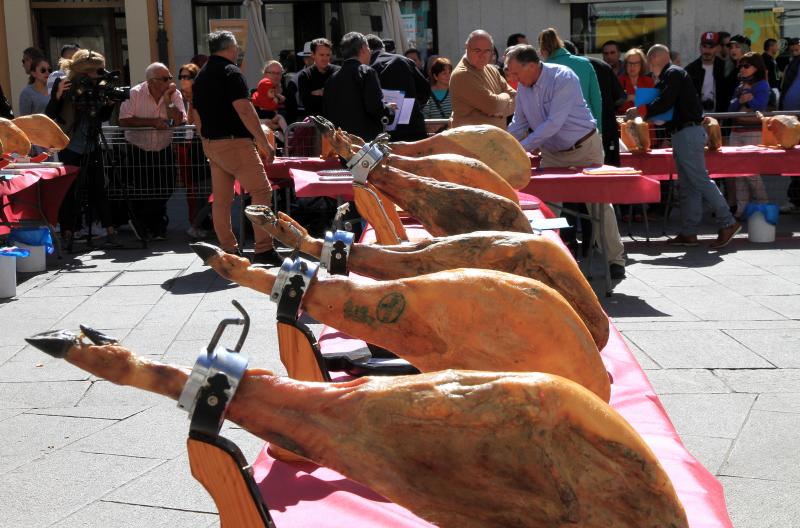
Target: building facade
[(133, 33)]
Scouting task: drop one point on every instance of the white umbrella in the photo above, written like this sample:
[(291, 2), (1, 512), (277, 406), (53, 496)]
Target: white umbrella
[(393, 24), (257, 38)]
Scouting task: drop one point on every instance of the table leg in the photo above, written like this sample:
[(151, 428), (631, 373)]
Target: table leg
[(598, 220), (668, 206), (646, 224)]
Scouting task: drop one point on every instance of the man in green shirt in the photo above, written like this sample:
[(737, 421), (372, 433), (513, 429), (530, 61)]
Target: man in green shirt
[(553, 51)]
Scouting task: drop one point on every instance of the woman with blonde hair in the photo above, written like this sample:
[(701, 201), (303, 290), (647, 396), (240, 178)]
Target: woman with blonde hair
[(82, 151), (636, 75)]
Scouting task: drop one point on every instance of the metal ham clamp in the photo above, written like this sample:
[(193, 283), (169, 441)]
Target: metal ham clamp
[(216, 462), (372, 205), (336, 251)]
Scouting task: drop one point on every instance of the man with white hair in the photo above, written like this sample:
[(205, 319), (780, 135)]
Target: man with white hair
[(677, 92), (155, 103), (479, 94)]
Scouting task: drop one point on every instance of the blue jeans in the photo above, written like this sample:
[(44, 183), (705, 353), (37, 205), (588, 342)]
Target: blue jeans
[(695, 185)]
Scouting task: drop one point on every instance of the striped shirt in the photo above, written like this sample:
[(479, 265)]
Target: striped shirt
[(442, 110)]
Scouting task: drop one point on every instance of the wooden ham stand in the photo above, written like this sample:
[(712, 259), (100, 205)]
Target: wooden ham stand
[(216, 462)]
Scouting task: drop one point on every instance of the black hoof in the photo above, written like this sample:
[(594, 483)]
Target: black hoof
[(322, 124), (205, 250), (97, 337), (55, 343)]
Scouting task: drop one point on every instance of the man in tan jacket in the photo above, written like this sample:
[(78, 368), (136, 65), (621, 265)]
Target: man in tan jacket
[(480, 95)]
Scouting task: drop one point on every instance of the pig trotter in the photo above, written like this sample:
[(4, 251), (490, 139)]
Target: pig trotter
[(55, 343)]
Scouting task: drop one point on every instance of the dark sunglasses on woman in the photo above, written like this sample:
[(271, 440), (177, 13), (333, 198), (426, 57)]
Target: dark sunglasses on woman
[(185, 77), (45, 70)]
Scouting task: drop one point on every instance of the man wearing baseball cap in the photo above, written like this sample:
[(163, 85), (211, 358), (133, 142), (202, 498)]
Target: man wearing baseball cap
[(708, 75)]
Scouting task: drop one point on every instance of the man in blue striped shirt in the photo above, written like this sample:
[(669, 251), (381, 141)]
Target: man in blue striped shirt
[(551, 115)]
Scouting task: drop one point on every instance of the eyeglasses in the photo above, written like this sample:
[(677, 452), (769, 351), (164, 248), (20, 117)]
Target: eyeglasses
[(274, 72), (632, 63), (163, 79), (45, 70), (185, 77), (745, 66)]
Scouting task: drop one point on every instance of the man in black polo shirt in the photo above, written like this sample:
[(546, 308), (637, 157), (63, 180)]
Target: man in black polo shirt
[(677, 91), (311, 81), (233, 141)]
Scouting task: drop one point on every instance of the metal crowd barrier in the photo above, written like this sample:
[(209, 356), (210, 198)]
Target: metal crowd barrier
[(144, 163), (302, 140)]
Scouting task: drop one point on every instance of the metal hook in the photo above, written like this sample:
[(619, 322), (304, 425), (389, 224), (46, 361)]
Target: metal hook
[(243, 321)]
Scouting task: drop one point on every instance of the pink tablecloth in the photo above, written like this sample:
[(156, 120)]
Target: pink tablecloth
[(20, 196), (301, 495), (565, 185), (307, 184), (280, 167), (726, 163)]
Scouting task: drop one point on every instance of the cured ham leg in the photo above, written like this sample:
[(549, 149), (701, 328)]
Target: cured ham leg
[(713, 133), (13, 139), (782, 130), (42, 131), (493, 146), (459, 449), (447, 208), (465, 318), (635, 134), (528, 255), (447, 167)]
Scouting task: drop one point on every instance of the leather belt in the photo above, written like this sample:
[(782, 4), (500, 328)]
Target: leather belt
[(687, 124), (581, 141)]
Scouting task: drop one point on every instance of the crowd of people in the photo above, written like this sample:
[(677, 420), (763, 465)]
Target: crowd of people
[(559, 104)]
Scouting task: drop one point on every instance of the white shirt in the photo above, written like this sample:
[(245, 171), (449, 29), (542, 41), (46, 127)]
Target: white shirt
[(708, 92)]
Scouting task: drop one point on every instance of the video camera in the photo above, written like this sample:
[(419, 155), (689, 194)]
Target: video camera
[(92, 94)]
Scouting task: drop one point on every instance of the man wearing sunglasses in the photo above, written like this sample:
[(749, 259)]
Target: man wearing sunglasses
[(709, 77), (156, 104)]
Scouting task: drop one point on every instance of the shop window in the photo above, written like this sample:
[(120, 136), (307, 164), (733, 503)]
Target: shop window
[(632, 24), (766, 19)]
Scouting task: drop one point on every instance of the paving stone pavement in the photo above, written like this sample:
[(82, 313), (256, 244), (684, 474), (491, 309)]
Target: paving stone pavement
[(717, 332)]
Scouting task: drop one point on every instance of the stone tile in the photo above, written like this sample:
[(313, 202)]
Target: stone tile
[(184, 352), (54, 486), (103, 316), (695, 349), (790, 273), (5, 414), (717, 303), (115, 412), (169, 485), (632, 286), (623, 308), (760, 381), (759, 285), (708, 450), (150, 339), (715, 415), (103, 513), (30, 435), (756, 503), (778, 402), (127, 295), (107, 394), (768, 257), (659, 277), (135, 436), (8, 351), (145, 277), (645, 361), (74, 279), (48, 292), (786, 305), (685, 381), (41, 394), (41, 370), (767, 448), (163, 261), (731, 267), (781, 347)]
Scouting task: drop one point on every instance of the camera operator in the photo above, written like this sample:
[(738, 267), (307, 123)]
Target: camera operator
[(155, 103), (80, 120)]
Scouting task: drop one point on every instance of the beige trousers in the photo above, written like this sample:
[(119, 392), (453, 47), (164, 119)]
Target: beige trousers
[(590, 152), (236, 159)]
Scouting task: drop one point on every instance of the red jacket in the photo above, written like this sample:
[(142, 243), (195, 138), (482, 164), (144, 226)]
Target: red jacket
[(642, 82)]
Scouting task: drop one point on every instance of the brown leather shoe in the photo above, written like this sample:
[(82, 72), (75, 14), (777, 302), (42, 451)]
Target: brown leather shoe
[(726, 234), (683, 240)]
